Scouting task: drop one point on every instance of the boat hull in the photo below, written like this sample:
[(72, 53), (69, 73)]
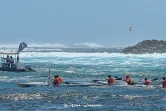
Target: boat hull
[(38, 84), (80, 84), (32, 84), (16, 70), (12, 69)]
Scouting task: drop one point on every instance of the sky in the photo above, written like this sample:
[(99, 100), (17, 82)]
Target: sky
[(68, 22)]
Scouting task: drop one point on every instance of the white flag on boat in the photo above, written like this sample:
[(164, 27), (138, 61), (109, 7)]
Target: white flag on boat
[(22, 46)]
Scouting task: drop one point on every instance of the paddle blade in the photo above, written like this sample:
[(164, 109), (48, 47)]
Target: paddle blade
[(118, 79), (95, 80), (154, 79), (66, 82)]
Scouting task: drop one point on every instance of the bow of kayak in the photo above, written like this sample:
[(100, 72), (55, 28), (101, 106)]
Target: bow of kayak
[(32, 84)]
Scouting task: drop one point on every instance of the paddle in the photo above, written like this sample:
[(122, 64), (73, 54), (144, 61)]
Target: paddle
[(66, 82), (49, 77), (118, 78), (96, 80), (154, 79), (137, 81)]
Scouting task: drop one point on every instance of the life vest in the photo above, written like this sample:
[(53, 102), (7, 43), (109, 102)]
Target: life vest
[(164, 83), (57, 81), (147, 82), (110, 81)]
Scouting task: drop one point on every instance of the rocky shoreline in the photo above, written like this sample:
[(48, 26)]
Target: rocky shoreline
[(146, 47)]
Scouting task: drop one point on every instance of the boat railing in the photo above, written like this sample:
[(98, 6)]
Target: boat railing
[(8, 64)]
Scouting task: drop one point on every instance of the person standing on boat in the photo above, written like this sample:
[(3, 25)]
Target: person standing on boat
[(8, 61), (57, 80), (146, 82), (110, 80), (128, 80), (11, 61), (17, 58)]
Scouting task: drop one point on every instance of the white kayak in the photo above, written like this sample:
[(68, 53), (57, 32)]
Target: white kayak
[(35, 84), (124, 84), (81, 84), (147, 86), (32, 84)]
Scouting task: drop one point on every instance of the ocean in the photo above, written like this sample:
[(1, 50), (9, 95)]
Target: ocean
[(83, 65)]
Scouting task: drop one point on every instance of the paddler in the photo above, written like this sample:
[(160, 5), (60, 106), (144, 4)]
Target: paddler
[(163, 82), (57, 80), (110, 80), (146, 81), (128, 80)]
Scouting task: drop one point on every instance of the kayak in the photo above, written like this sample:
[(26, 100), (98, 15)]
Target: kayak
[(149, 86), (83, 84), (32, 84), (124, 84), (37, 84)]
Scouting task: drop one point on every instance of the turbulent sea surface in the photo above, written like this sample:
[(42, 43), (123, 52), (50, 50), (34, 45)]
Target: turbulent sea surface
[(84, 65)]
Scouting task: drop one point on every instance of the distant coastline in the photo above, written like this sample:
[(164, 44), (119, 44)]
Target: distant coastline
[(146, 47), (71, 50)]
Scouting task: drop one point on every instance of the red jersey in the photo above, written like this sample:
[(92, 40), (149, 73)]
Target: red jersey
[(110, 81), (57, 81), (128, 81), (147, 82), (164, 83)]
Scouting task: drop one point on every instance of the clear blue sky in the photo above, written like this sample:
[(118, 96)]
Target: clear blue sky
[(104, 22)]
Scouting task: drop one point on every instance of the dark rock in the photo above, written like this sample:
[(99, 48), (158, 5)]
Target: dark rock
[(146, 46)]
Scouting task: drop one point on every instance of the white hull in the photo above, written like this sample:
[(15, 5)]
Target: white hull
[(35, 84), (32, 84), (79, 84)]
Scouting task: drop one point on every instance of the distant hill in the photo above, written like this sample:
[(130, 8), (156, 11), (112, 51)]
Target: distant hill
[(146, 46)]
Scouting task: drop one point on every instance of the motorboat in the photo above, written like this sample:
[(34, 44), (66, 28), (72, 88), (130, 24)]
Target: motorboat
[(10, 61)]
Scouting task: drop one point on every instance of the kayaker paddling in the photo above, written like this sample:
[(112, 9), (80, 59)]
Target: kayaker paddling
[(128, 80), (146, 82), (110, 80), (163, 82), (57, 80)]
